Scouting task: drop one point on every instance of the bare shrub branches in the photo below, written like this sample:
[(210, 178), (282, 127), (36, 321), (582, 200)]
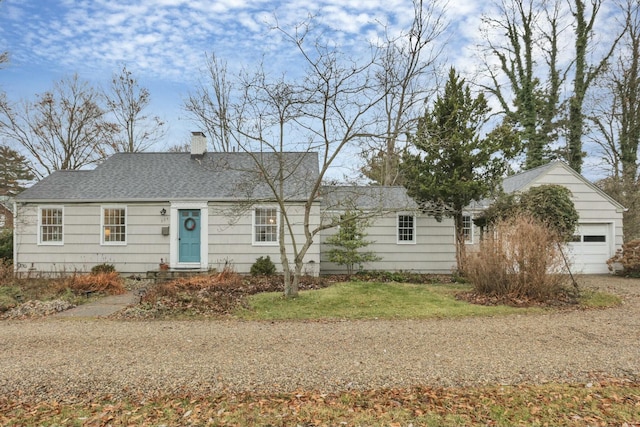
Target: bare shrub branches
[(521, 259)]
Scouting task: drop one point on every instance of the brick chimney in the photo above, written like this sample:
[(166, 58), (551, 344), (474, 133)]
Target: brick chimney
[(198, 144)]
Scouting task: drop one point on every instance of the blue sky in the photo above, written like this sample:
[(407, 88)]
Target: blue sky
[(163, 42)]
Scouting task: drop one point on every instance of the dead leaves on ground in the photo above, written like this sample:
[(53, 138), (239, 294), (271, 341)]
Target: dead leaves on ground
[(213, 295), (610, 402)]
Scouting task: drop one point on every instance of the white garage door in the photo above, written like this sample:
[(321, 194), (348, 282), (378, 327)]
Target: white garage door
[(590, 249)]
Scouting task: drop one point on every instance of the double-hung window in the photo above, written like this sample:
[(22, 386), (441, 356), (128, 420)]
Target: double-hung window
[(406, 229), (50, 225), (467, 228), (114, 225), (265, 226)]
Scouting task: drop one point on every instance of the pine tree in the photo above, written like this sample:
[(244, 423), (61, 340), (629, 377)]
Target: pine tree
[(14, 172), (450, 164), (348, 241)]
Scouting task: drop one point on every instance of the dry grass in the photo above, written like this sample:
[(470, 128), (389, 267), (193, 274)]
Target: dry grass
[(104, 283), (522, 260)]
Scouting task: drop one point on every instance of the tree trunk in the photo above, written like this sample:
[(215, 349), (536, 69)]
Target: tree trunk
[(461, 252)]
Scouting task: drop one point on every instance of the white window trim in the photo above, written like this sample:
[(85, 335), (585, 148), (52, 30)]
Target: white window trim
[(253, 226), (471, 229), (40, 242), (397, 225), (126, 225)]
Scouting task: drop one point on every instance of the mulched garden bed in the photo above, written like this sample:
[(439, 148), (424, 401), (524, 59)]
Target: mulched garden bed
[(221, 294)]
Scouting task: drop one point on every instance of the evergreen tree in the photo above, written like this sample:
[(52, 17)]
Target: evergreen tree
[(550, 204), (348, 241), (450, 164), (14, 171)]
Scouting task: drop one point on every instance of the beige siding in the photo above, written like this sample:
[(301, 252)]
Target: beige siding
[(433, 252), (82, 249), (230, 240), (592, 206), (595, 210)]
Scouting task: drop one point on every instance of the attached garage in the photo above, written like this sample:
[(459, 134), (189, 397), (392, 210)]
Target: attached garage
[(599, 233), (591, 245)]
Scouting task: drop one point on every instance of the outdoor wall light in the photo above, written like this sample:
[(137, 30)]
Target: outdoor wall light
[(163, 212)]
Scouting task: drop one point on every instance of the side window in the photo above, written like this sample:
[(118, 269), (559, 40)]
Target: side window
[(50, 225), (114, 225), (265, 226), (467, 228), (406, 229)]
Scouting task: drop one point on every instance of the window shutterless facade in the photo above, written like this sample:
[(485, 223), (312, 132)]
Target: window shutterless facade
[(51, 225), (265, 226), (467, 228), (406, 229), (114, 225)]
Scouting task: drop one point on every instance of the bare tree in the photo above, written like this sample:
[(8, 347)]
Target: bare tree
[(529, 90), (126, 100), (64, 128), (405, 76), (616, 118), (209, 105), (584, 75), (324, 111)]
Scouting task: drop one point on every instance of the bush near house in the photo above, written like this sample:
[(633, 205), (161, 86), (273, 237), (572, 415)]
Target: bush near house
[(103, 268), (348, 242), (520, 261), (263, 267), (6, 244), (16, 292), (550, 204), (628, 257)]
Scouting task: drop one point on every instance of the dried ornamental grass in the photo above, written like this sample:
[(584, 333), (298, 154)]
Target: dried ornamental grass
[(105, 283), (521, 259)]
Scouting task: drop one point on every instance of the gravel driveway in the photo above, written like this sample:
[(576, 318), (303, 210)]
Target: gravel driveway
[(71, 358)]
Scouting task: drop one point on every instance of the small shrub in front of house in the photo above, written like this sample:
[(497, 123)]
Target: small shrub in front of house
[(628, 258), (348, 242), (6, 245), (102, 283), (103, 268), (520, 261), (263, 267)]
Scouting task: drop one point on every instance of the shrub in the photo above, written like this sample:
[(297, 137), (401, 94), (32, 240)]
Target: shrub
[(628, 257), (106, 283), (6, 244), (348, 242), (521, 260), (103, 268), (263, 267), (6, 272), (550, 204)]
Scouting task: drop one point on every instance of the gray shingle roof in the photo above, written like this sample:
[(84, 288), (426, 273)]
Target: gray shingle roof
[(367, 197), (520, 180), (178, 176)]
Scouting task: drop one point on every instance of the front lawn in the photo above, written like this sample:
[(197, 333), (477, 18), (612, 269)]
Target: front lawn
[(371, 300)]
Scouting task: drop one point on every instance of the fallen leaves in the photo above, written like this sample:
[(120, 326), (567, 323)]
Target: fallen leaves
[(604, 403), (212, 295)]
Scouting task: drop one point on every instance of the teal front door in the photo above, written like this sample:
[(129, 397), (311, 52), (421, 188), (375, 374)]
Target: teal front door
[(189, 236)]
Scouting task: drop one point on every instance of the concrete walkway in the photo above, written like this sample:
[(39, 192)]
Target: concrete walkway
[(102, 307)]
